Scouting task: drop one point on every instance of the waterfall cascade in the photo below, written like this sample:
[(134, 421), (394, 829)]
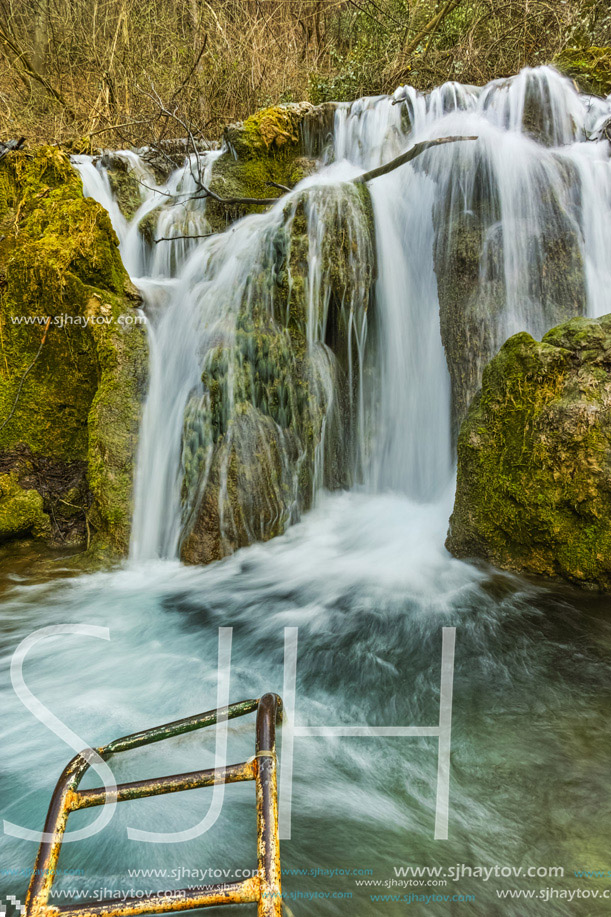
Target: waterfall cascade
[(273, 338)]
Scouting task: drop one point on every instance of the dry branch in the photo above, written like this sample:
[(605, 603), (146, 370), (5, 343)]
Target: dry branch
[(410, 154)]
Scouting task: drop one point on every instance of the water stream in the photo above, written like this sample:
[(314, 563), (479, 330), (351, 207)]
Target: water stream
[(364, 575)]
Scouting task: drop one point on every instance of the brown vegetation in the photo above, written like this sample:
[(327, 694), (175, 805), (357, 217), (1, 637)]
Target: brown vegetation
[(72, 69)]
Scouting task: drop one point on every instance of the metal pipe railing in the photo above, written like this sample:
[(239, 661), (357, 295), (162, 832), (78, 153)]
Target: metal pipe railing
[(264, 889)]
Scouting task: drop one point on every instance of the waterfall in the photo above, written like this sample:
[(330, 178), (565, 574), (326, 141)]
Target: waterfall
[(473, 241)]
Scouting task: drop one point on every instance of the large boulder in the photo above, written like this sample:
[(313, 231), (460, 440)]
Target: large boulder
[(274, 146), (534, 458), (72, 355)]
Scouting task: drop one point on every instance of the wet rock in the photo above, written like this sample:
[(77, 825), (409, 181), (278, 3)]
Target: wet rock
[(534, 458), (473, 299), (249, 491), (275, 417), (124, 183)]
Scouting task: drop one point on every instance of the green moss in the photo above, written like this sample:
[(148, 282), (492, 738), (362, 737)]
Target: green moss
[(63, 349), (113, 424), (270, 130), (21, 511), (590, 67), (265, 149), (534, 458)]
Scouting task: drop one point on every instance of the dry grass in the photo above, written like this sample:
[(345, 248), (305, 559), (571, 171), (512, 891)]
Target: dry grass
[(71, 69)]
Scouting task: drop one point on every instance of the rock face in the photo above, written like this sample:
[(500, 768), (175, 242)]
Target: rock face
[(534, 458), (474, 305), (276, 416), (72, 360)]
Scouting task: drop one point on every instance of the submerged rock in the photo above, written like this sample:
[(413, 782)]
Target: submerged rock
[(73, 356), (534, 458)]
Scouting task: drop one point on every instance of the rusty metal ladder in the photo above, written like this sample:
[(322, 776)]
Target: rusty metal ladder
[(264, 889)]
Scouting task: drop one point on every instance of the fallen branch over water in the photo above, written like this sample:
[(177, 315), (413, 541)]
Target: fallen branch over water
[(410, 154), (205, 192)]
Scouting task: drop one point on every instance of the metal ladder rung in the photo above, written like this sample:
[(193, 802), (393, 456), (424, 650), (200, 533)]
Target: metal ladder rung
[(157, 786)]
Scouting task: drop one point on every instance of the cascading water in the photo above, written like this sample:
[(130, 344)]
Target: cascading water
[(465, 241), (531, 185)]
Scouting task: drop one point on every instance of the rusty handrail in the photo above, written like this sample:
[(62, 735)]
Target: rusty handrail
[(264, 889)]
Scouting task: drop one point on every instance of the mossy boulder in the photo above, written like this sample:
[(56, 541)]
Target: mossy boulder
[(21, 511), (73, 350), (249, 489), (534, 458), (589, 67), (276, 145)]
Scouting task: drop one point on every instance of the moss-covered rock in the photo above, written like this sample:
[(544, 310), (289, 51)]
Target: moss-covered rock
[(124, 183), (589, 67), (21, 511), (534, 458), (274, 146), (249, 489), (73, 353)]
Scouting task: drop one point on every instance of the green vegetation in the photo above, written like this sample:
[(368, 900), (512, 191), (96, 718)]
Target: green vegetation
[(21, 511), (589, 67), (72, 368)]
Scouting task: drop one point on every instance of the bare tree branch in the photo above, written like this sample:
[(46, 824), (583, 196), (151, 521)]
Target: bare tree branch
[(205, 192), (431, 24), (410, 154)]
